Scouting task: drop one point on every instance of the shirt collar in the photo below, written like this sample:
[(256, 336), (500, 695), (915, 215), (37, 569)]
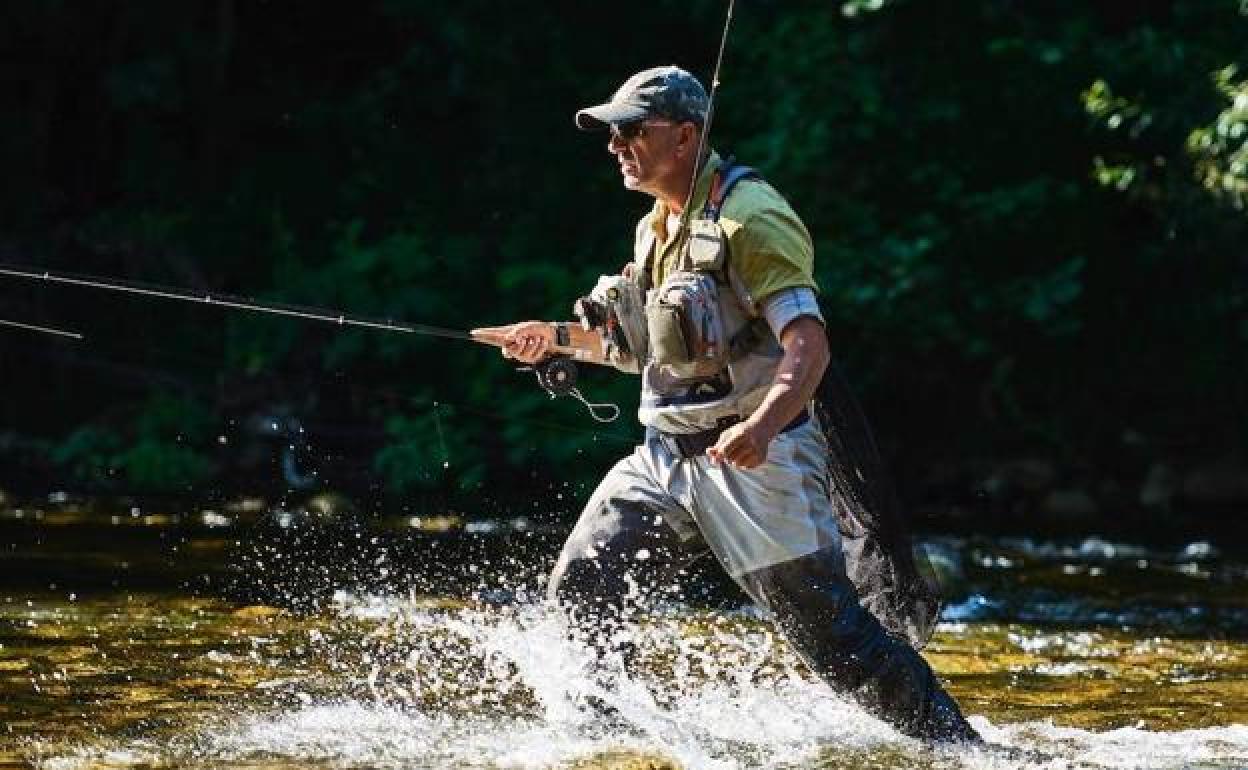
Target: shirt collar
[(702, 190)]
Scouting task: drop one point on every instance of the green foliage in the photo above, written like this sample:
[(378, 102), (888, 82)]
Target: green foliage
[(1027, 217), (162, 449), (88, 453), (1220, 149)]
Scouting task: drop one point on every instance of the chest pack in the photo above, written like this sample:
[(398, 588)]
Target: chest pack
[(679, 325), (685, 322)]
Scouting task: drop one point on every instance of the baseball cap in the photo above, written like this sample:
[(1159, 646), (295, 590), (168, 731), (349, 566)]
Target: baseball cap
[(667, 92)]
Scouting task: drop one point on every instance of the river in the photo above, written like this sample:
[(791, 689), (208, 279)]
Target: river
[(1078, 653)]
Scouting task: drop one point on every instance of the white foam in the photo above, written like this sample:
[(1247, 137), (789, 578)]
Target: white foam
[(505, 688), (1129, 748)]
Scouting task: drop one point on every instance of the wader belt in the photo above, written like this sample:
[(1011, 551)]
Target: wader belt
[(686, 445)]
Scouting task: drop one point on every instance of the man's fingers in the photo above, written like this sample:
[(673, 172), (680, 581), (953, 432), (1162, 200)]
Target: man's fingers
[(722, 452), (498, 336), (529, 348), (518, 341), (735, 449), (493, 335)]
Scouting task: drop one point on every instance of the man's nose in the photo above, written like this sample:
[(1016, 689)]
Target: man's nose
[(615, 143)]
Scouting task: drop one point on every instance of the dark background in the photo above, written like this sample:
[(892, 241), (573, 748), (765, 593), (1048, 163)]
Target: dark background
[(1029, 221)]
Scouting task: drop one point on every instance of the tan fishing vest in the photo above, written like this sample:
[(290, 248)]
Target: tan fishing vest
[(728, 381)]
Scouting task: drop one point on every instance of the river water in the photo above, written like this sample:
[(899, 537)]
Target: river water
[(1081, 653)]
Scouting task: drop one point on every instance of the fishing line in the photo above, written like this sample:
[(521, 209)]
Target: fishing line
[(41, 329), (437, 424), (610, 412)]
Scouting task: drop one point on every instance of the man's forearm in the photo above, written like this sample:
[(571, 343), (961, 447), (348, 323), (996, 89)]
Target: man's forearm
[(588, 340), (797, 376), (585, 340)]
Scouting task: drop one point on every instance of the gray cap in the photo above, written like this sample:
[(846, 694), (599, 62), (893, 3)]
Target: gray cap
[(660, 92)]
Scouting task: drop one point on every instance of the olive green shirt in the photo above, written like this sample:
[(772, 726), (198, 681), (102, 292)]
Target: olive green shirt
[(768, 246)]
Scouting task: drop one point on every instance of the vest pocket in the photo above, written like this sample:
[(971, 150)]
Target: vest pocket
[(666, 326)]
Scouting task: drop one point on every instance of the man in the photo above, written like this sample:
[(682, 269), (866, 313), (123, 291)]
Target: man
[(733, 461)]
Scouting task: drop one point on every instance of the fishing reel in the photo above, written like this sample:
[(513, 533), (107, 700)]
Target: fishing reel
[(556, 375)]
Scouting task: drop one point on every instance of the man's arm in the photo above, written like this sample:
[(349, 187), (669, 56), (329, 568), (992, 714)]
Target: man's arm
[(531, 341), (797, 377)]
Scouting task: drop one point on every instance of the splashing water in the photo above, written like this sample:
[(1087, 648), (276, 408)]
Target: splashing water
[(389, 683), (377, 681)]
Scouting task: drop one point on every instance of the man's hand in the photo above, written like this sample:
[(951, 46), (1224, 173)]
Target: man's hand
[(527, 341), (743, 445), (805, 357)]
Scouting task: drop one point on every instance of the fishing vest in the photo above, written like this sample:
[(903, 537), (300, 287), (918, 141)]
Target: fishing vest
[(709, 354)]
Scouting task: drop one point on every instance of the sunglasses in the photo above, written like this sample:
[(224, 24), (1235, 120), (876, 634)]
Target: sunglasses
[(635, 129)]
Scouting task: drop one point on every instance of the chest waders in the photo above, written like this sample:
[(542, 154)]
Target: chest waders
[(894, 586), (860, 635)]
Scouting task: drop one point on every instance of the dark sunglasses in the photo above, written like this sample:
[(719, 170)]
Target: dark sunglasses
[(635, 129)]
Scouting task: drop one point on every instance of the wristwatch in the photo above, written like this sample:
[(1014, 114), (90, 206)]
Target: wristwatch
[(562, 338)]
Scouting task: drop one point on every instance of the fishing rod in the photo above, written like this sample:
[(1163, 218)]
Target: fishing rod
[(41, 329), (232, 302), (556, 375), (700, 157)]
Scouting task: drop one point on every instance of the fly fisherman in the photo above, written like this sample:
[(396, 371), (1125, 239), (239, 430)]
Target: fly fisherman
[(717, 313)]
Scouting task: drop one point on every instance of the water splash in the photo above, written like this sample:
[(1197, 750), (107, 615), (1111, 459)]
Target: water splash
[(384, 682), (1106, 654)]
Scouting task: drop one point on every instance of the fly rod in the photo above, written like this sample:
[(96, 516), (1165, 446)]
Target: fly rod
[(557, 375), (271, 308), (41, 329), (700, 157)]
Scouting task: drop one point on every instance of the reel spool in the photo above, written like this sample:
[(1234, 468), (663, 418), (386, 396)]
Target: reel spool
[(556, 375)]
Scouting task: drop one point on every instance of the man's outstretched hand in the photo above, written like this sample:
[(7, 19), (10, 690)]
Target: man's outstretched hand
[(527, 341)]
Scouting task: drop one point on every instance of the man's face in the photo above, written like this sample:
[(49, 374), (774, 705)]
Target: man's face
[(647, 151)]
